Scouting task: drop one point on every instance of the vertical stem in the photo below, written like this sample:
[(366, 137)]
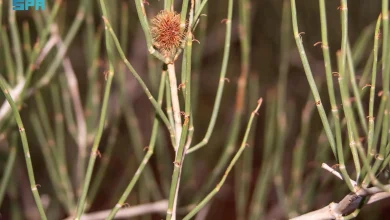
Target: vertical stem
[(310, 78), (183, 14), (371, 119), (344, 87), (52, 168), (9, 62), (332, 97), (197, 61), (355, 89), (181, 150), (26, 150), (385, 48), (229, 168), (94, 150), (98, 135), (146, 158), (16, 44), (139, 79), (175, 103), (257, 207), (222, 79)]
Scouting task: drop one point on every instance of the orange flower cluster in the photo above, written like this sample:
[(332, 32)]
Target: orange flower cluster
[(166, 33)]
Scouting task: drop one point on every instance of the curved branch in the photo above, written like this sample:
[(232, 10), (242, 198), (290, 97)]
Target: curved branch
[(347, 205)]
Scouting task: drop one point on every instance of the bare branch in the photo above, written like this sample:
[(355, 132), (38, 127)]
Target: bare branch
[(124, 213), (347, 205)]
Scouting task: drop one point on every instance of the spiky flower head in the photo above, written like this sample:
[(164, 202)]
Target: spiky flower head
[(166, 33)]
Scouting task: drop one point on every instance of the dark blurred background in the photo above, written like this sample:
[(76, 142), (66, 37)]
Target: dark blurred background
[(265, 61)]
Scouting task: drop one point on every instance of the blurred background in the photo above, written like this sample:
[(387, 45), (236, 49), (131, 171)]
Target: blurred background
[(124, 138)]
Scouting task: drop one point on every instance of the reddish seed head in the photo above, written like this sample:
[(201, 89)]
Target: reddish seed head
[(166, 34)]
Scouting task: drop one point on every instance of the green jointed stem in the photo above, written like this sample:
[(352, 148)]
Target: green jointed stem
[(199, 10), (229, 168), (44, 117), (135, 135), (9, 62), (382, 148), (113, 134), (356, 90), (93, 93), (332, 97), (385, 48), (385, 64), (370, 173), (98, 135), (55, 148), (183, 15), (139, 79), (181, 149), (60, 141), (257, 208), (94, 151), (221, 83), (379, 119), (345, 91), (371, 121), (52, 170), (309, 76), (17, 49), (145, 27), (26, 150), (106, 157), (363, 81), (197, 61), (146, 158)]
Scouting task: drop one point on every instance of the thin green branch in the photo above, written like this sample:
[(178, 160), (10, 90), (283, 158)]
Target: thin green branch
[(146, 158), (98, 135), (145, 27), (222, 80), (345, 91), (26, 150), (139, 79), (17, 49), (181, 148), (371, 119), (310, 78), (229, 168)]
